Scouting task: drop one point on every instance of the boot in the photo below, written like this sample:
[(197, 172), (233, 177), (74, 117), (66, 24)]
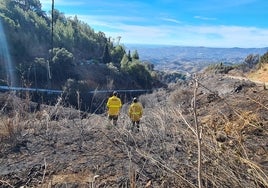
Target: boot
[(138, 128)]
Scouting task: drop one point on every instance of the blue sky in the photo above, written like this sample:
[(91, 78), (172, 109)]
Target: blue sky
[(210, 23)]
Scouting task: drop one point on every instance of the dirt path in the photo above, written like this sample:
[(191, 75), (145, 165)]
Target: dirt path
[(248, 79)]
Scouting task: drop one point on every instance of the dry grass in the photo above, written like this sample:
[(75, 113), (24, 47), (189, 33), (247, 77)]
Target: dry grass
[(163, 154), (260, 75)]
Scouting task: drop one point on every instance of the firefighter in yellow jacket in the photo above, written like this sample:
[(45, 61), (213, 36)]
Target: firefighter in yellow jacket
[(114, 105), (135, 112)]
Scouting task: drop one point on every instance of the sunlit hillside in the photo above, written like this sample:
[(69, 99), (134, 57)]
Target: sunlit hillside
[(260, 75)]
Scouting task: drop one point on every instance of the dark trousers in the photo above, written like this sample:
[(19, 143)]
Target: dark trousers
[(136, 124), (113, 118)]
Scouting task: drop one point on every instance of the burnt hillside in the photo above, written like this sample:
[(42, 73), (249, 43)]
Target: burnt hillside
[(57, 147)]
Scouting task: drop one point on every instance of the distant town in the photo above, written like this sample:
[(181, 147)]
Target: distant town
[(191, 59)]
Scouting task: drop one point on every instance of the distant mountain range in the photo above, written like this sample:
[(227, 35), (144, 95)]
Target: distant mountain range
[(191, 59)]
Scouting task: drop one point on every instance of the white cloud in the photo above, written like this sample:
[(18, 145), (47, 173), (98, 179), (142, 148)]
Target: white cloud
[(190, 35), (107, 19), (171, 20), (135, 29), (204, 18)]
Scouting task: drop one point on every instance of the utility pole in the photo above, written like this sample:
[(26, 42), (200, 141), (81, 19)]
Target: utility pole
[(52, 44)]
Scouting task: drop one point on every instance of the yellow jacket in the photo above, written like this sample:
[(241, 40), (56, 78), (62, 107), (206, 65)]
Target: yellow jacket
[(114, 105), (135, 111)]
